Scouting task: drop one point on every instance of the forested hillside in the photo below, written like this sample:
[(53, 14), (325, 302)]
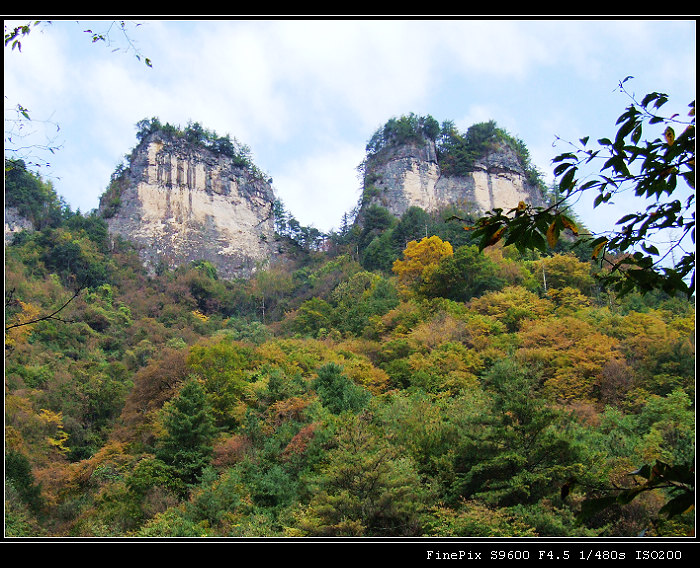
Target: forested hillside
[(394, 381)]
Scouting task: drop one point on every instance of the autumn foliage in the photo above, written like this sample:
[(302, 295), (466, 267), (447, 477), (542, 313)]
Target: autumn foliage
[(453, 393)]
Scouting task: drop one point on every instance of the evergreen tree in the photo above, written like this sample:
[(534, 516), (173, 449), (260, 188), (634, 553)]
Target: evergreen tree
[(524, 454), (337, 392), (364, 487), (189, 425), (18, 472)]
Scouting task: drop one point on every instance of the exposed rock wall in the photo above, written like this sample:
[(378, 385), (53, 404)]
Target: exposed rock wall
[(14, 223), (180, 203), (409, 175)]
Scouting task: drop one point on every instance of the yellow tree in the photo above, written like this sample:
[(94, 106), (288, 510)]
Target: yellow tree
[(18, 331), (420, 259), (570, 355), (564, 270), (513, 306)]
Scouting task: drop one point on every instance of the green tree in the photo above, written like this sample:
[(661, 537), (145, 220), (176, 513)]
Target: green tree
[(364, 487), (406, 129), (359, 298), (512, 306), (457, 152), (564, 271), (412, 226), (312, 316), (18, 472), (461, 276), (337, 392), (660, 437), (223, 367), (474, 519), (33, 198), (173, 523), (74, 256), (376, 221), (189, 432), (524, 454)]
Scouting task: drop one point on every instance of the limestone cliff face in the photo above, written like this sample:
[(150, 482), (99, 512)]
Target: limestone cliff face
[(15, 223), (409, 175), (180, 202)]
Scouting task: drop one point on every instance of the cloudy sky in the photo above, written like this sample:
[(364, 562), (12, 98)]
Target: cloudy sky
[(307, 94)]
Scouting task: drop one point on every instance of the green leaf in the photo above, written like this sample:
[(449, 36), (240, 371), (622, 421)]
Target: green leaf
[(590, 507), (561, 168), (566, 182), (678, 505), (627, 218), (637, 134)]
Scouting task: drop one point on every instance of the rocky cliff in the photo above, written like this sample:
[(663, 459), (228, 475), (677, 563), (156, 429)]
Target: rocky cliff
[(15, 223), (409, 175), (180, 202)]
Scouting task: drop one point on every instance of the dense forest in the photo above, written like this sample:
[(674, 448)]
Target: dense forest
[(390, 379)]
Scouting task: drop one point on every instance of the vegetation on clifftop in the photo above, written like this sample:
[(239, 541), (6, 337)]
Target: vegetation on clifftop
[(456, 151), (194, 135)]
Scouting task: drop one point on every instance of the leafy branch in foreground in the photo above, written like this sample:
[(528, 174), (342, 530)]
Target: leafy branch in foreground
[(21, 126), (15, 35), (679, 481), (660, 174)]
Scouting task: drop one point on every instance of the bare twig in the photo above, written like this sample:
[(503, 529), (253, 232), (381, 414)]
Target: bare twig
[(51, 316)]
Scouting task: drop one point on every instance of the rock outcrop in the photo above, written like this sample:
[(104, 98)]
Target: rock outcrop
[(15, 223), (179, 202), (409, 175)]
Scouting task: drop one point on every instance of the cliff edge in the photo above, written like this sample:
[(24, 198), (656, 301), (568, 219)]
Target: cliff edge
[(179, 202), (411, 164)]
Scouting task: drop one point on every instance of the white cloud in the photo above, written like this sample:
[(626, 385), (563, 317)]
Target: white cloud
[(27, 75), (495, 48), (306, 95), (318, 188)]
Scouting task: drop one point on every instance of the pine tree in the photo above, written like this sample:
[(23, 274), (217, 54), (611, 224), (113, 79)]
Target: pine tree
[(189, 424)]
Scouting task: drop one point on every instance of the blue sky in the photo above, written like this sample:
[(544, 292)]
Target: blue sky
[(306, 95)]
